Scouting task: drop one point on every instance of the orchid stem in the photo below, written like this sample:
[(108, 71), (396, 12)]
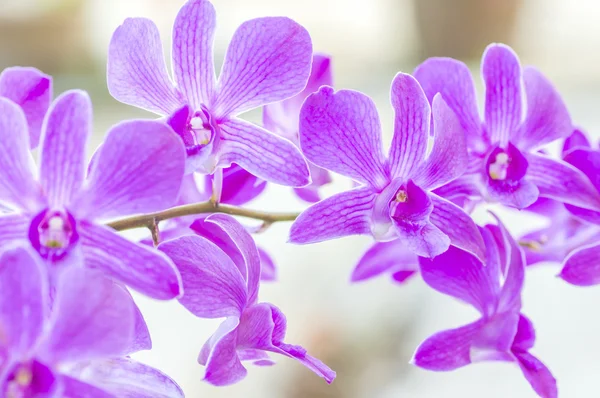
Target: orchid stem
[(151, 220), (154, 231)]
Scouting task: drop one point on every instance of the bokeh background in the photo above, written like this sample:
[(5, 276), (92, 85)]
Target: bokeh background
[(366, 332)]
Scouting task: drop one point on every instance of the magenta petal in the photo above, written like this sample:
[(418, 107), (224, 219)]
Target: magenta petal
[(193, 65), (239, 186), (341, 132), (223, 366), (547, 116), (23, 300), (453, 80), (588, 161), (343, 214), (519, 194), (73, 387), (139, 169), (458, 225), (64, 140), (447, 350), (95, 318), (268, 270), (139, 267), (465, 186), (501, 73), (537, 374), (136, 69), (212, 284), (448, 158), (427, 240), (13, 227), (577, 139), (560, 181), (582, 267), (411, 126), (268, 60), (514, 272), (262, 153), (392, 256), (525, 337), (32, 91)]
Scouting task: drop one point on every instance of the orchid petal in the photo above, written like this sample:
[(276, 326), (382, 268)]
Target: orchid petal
[(239, 186), (138, 266), (525, 337), (268, 270), (219, 354), (32, 91), (537, 374), (262, 153), (392, 256), (268, 60), (426, 241), (347, 213), (193, 65), (341, 132), (514, 270), (577, 139), (465, 186), (72, 387), (136, 69), (13, 227), (582, 267)]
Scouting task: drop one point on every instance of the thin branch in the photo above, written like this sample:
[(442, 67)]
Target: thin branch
[(154, 231), (151, 220)]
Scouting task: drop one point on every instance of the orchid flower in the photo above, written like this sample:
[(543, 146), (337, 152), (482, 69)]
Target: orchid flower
[(504, 164), (59, 212), (224, 283), (43, 354), (391, 258), (32, 91), (283, 118), (341, 132), (268, 60), (502, 333)]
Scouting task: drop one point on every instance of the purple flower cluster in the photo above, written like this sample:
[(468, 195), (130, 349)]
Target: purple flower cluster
[(68, 323)]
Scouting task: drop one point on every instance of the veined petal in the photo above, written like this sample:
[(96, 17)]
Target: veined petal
[(193, 64), (23, 300), (426, 240), (72, 387), (582, 267), (448, 158), (138, 169), (447, 350), (458, 225), (525, 337), (411, 126), (18, 187), (547, 117), (213, 286), (560, 181), (501, 73), (514, 271), (537, 374), (136, 69), (465, 186), (343, 214), (94, 318), (577, 139), (341, 132), (268, 60), (64, 139), (32, 91), (390, 257), (268, 270), (519, 194), (138, 266), (262, 153), (13, 227), (453, 80), (219, 354)]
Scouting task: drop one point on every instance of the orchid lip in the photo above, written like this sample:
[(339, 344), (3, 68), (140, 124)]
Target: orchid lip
[(27, 379), (53, 233)]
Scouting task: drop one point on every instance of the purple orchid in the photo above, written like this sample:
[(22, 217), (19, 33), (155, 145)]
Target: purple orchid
[(391, 257), (44, 355), (224, 283), (494, 290), (283, 118), (505, 165), (341, 132), (138, 169), (268, 60), (32, 91)]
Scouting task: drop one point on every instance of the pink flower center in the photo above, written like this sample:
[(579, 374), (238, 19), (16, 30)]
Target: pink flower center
[(53, 233)]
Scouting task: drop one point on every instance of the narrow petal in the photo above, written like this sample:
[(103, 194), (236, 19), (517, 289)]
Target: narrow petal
[(341, 132), (426, 240), (125, 377), (23, 299), (136, 69), (223, 366), (73, 387), (514, 271), (547, 117), (268, 60), (94, 318), (577, 139), (213, 286), (587, 161), (18, 187), (448, 158), (447, 350), (138, 266), (347, 213), (32, 91), (262, 153), (525, 337), (239, 186), (560, 181), (453, 80), (465, 186), (501, 73), (64, 140), (392, 256), (193, 64), (139, 169), (582, 267), (411, 126), (538, 375), (268, 270), (458, 225)]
